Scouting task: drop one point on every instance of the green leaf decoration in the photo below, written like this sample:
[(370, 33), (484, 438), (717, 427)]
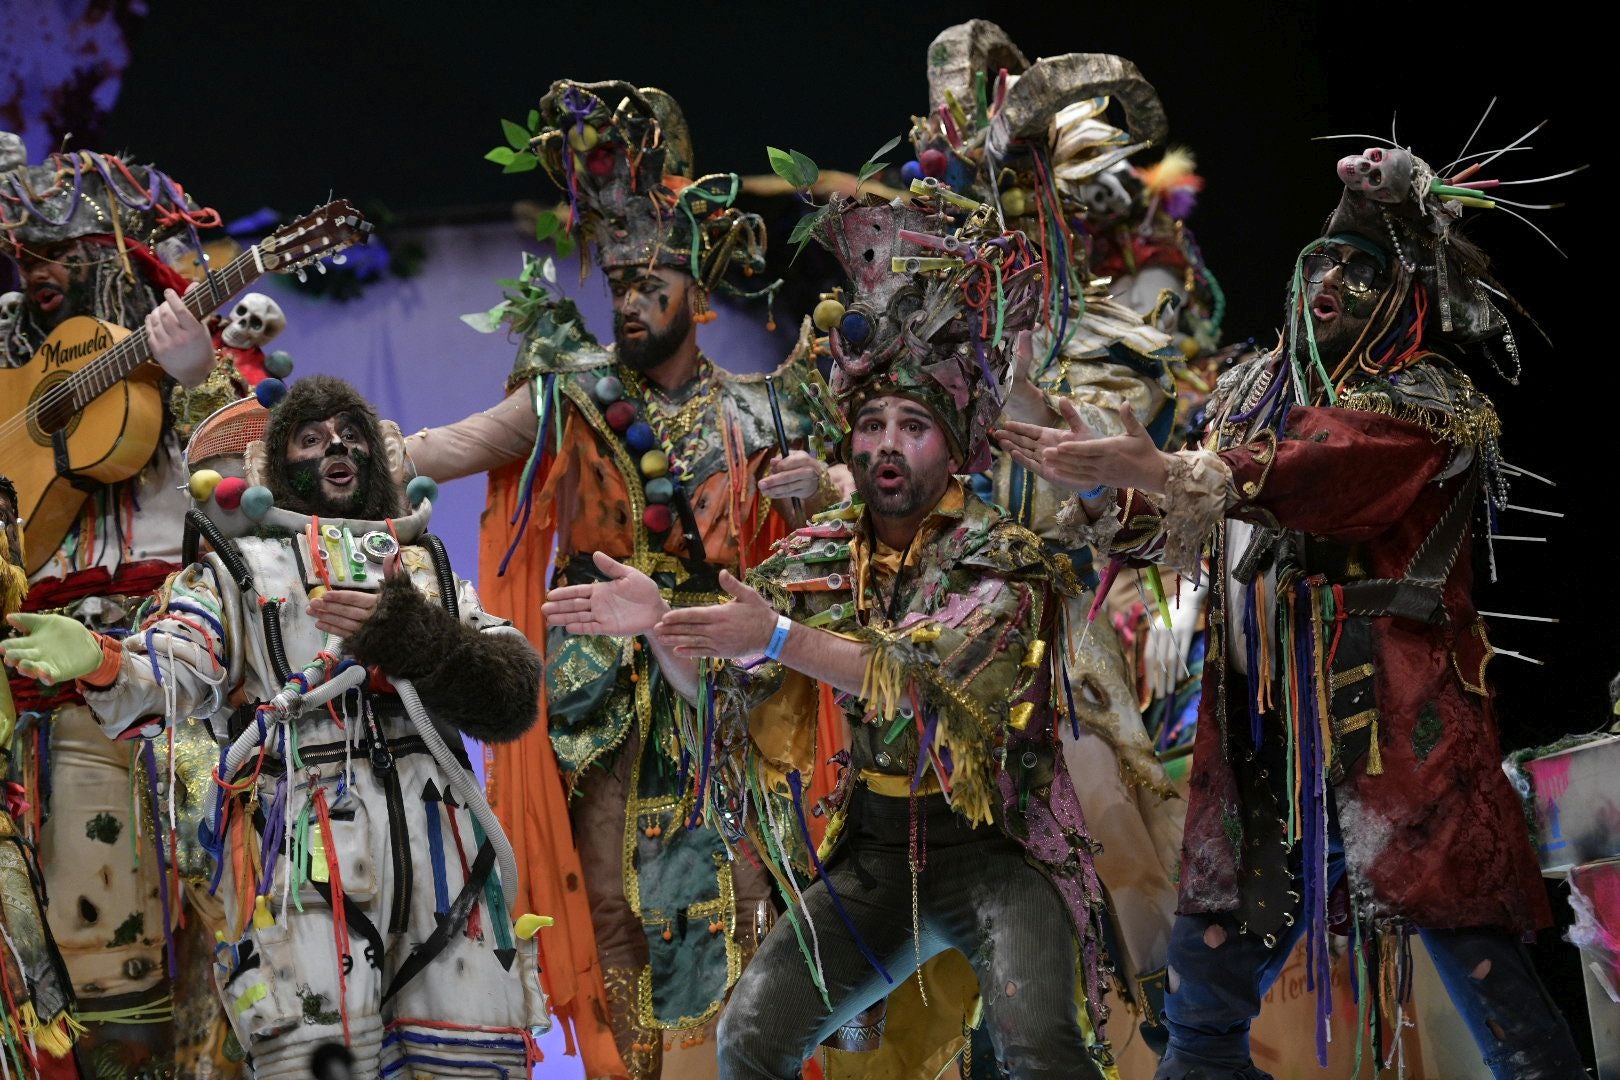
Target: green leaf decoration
[(884, 149), (501, 155), (546, 225), (869, 170), (565, 246), (804, 230), (523, 163), (783, 165), (516, 134), (807, 169), (534, 120)]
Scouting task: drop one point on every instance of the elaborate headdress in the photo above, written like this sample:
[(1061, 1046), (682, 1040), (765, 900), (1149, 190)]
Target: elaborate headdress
[(85, 195), (1441, 291), (937, 292), (81, 193), (995, 119), (624, 157)]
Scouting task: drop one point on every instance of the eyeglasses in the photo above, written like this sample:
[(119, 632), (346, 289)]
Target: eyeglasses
[(1359, 274)]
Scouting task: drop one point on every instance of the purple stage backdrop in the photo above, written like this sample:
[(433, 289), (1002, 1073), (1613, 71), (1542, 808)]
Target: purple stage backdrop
[(404, 345)]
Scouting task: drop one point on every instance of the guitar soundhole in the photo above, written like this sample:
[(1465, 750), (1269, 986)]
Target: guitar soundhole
[(50, 412)]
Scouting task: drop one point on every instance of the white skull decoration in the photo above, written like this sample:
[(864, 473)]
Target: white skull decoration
[(253, 322), (10, 307), (1382, 175), (1106, 196)]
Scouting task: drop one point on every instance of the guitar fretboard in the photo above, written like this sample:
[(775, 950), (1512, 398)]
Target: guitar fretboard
[(105, 371)]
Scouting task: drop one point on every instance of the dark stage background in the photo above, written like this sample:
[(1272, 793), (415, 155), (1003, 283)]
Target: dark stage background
[(274, 104)]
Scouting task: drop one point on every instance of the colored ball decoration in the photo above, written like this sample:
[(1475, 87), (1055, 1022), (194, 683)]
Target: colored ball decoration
[(657, 518), (911, 170), (640, 438), (1014, 203), (608, 389), (257, 501), (599, 162), (827, 314), (228, 493), (933, 162), (654, 463), (855, 328), (660, 490), (203, 483), (278, 365), (421, 487), (270, 392), (620, 415), (582, 138)]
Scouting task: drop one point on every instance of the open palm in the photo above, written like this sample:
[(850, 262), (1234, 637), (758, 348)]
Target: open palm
[(626, 604)]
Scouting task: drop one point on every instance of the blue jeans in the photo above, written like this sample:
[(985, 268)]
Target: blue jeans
[(1215, 994)]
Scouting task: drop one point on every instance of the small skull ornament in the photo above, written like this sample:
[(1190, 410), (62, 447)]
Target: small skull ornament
[(1382, 175), (253, 322), (1108, 195), (10, 307)]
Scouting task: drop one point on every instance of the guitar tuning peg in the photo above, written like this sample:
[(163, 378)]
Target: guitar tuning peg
[(339, 259), (302, 277), (320, 267)]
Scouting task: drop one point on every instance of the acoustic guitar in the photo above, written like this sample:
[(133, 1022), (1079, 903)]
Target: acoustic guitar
[(91, 408)]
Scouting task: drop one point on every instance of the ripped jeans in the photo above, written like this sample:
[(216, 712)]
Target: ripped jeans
[(976, 893), (1215, 993)]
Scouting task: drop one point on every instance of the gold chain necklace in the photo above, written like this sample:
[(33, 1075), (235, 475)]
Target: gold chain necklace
[(674, 425)]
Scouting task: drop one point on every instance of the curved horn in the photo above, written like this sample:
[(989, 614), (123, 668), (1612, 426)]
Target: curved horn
[(1057, 81), (960, 52)]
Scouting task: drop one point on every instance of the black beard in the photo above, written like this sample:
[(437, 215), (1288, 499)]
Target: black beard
[(300, 489), (901, 504), (654, 347)]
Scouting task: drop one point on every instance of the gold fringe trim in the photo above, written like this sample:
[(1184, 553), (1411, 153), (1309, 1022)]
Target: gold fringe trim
[(1472, 425)]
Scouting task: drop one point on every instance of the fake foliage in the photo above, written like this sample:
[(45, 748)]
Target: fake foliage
[(528, 305), (798, 170), (518, 156)]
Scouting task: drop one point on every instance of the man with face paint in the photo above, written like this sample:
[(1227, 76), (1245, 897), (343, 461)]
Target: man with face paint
[(1347, 775), (353, 921), (83, 229), (653, 453), (930, 615)]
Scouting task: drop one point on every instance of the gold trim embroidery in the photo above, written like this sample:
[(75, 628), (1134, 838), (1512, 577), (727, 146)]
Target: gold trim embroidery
[(1354, 723), (1341, 679)]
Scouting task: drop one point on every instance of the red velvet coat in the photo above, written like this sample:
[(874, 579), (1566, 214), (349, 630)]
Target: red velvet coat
[(1433, 832)]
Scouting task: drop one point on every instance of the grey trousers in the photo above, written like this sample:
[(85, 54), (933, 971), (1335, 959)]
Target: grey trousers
[(977, 894)]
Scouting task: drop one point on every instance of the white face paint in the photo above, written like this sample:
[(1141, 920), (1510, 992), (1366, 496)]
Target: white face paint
[(253, 322), (1383, 175), (10, 305)]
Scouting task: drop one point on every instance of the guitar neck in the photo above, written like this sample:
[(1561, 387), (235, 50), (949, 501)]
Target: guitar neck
[(106, 370)]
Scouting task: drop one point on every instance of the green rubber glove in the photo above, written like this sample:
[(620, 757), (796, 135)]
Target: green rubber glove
[(52, 648)]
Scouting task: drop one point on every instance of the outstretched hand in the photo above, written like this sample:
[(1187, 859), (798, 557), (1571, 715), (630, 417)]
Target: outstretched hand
[(741, 627), (1078, 459), (51, 648), (626, 604)]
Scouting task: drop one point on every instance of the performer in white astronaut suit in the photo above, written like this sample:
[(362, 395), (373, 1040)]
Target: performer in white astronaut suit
[(357, 860)]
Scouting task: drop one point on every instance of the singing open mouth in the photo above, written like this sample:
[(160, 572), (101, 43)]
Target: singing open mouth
[(1326, 307), (889, 477), (48, 298), (339, 474)]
